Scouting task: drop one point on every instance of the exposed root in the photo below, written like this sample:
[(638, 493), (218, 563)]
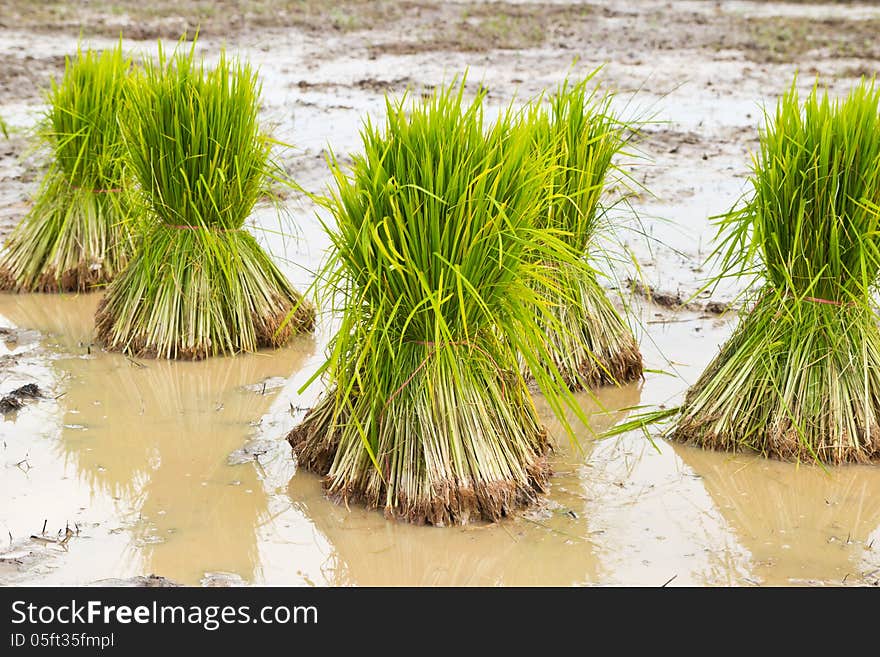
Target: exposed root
[(271, 332), (230, 298), (449, 502), (290, 319), (784, 442), (72, 240), (316, 439), (808, 390), (623, 366), (86, 277), (589, 342), (446, 454)]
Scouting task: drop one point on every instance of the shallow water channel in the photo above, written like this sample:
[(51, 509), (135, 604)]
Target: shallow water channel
[(143, 460)]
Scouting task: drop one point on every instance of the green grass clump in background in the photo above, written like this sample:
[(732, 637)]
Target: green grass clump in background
[(591, 343), (77, 235), (436, 252), (199, 284)]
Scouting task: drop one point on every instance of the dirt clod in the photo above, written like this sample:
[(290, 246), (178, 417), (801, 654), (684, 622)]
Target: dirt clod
[(675, 300), (14, 400)]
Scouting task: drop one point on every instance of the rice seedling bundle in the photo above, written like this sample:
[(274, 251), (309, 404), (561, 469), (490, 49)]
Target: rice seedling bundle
[(77, 235), (199, 284), (800, 377), (590, 341), (435, 244)]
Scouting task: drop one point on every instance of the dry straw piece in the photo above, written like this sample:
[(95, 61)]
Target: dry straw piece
[(436, 250), (198, 285), (77, 235), (800, 377), (590, 341)]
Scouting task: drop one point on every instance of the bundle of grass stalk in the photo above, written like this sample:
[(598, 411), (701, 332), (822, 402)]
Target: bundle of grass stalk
[(77, 234), (435, 254), (199, 284), (591, 342), (800, 377)]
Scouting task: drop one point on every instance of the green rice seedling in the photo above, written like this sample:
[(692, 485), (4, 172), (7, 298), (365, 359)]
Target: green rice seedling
[(592, 343), (199, 284), (435, 256), (800, 377), (77, 234), (3, 127)]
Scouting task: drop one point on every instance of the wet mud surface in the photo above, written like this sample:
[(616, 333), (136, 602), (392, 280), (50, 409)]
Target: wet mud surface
[(124, 469)]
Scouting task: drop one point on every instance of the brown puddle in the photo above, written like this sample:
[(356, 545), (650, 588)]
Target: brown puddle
[(800, 524), (136, 456), (150, 439)]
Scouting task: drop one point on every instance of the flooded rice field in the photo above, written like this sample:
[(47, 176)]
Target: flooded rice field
[(178, 469), (124, 468)]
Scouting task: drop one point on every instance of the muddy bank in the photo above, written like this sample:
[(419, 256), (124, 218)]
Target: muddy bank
[(762, 31)]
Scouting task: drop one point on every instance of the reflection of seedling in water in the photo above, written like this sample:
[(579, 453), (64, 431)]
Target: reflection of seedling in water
[(176, 439), (199, 284), (436, 255), (828, 516), (77, 234), (154, 429), (800, 377)]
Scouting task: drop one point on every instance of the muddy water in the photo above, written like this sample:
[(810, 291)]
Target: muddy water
[(143, 446), (135, 457), (555, 545), (800, 525)]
